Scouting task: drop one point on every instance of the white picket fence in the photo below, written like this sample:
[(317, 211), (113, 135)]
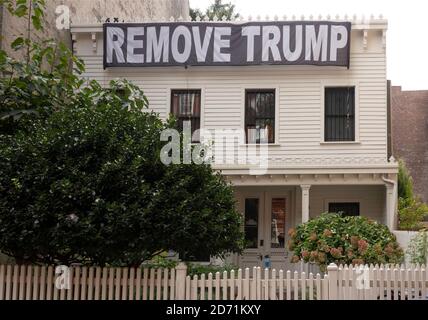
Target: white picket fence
[(92, 283)]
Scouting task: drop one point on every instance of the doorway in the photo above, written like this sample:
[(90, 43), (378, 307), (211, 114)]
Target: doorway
[(267, 219)]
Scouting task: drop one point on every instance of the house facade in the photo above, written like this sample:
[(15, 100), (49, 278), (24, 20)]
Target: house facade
[(319, 133)]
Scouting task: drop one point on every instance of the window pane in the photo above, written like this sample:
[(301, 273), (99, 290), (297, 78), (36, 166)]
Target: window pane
[(345, 208), (251, 223), (340, 114), (186, 106), (278, 223), (260, 116)]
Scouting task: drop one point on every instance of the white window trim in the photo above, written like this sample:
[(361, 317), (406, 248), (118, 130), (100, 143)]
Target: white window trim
[(329, 84), (339, 200), (269, 86)]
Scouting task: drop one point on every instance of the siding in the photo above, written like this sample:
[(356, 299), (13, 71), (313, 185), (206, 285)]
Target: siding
[(371, 198), (300, 97)]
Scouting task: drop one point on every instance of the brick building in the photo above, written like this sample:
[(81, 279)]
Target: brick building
[(409, 116)]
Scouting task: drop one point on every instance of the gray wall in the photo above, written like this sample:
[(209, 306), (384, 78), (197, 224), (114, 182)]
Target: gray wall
[(12, 27)]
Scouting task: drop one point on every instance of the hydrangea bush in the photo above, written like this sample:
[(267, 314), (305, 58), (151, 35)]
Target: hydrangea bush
[(331, 238)]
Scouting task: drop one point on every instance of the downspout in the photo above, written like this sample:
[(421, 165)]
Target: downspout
[(392, 222)]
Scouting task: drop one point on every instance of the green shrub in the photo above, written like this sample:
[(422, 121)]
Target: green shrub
[(343, 240), (411, 210), (161, 261), (411, 213), (198, 269), (405, 182), (418, 248)]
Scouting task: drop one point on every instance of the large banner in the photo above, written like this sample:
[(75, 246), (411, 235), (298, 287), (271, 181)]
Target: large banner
[(227, 44)]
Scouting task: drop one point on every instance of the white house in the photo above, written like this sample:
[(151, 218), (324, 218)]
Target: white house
[(322, 128)]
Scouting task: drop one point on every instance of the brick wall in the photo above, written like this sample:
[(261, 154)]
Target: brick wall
[(12, 27), (409, 117)]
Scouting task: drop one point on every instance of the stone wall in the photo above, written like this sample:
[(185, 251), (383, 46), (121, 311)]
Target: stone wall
[(409, 113), (94, 10)]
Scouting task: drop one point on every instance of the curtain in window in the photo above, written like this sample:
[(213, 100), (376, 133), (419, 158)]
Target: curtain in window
[(260, 116), (186, 106)]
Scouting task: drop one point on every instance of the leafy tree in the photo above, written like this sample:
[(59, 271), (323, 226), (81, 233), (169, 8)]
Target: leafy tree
[(33, 11), (44, 82), (217, 9), (86, 185), (194, 13), (343, 240), (37, 88), (81, 179)]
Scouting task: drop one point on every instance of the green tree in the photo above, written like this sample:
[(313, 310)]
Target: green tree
[(36, 89), (44, 82), (33, 12), (86, 185), (81, 179), (217, 9)]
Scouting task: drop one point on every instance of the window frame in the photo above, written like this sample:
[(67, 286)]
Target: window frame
[(169, 93), (342, 200), (255, 88), (258, 226), (345, 202), (344, 84)]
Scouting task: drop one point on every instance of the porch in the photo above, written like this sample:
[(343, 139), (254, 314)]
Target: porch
[(270, 208)]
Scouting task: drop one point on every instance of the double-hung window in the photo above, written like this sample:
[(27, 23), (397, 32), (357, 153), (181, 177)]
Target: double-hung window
[(339, 113), (186, 107), (260, 116)]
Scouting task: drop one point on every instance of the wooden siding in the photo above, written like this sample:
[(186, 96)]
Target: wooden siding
[(299, 94)]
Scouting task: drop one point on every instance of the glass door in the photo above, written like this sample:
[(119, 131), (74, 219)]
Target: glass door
[(277, 223), (252, 207), (266, 224)]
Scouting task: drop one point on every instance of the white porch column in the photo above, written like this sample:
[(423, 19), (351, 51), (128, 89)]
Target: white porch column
[(305, 202), (391, 205)]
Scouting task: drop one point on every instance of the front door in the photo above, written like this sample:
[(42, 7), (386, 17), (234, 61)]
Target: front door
[(266, 225)]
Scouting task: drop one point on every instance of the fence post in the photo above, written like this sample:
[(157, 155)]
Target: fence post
[(332, 271), (180, 281)]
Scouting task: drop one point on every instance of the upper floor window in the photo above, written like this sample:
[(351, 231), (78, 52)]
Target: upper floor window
[(260, 116), (339, 114), (186, 106)]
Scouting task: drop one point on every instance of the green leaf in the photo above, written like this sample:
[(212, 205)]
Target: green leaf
[(37, 22), (18, 43)]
